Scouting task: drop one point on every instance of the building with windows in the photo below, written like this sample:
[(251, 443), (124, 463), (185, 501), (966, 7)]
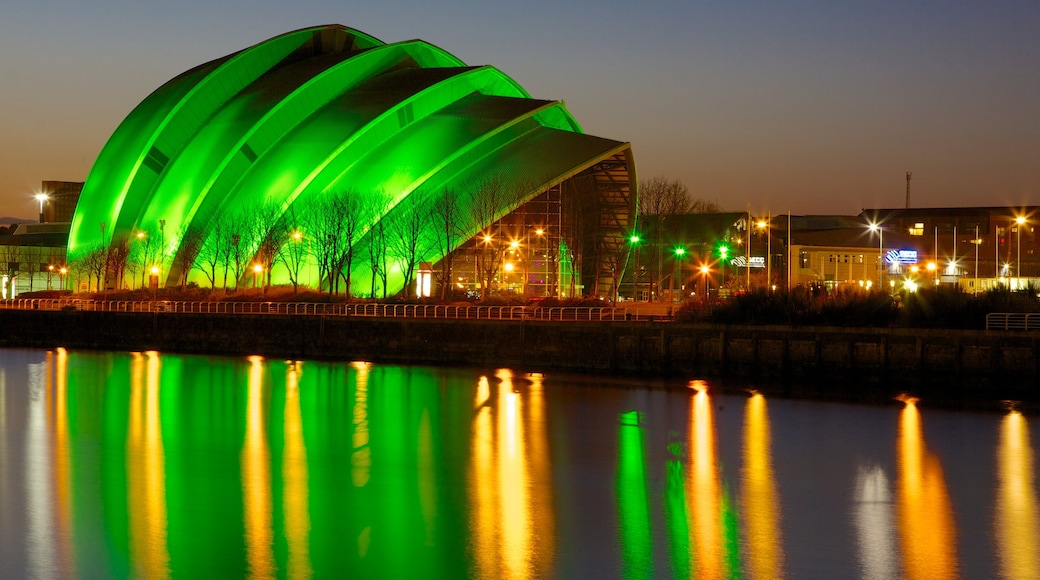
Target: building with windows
[(329, 158)]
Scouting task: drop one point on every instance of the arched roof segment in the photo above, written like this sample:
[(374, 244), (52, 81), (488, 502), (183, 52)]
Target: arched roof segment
[(314, 111)]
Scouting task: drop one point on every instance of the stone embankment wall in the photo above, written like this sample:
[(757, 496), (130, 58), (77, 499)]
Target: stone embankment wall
[(647, 348)]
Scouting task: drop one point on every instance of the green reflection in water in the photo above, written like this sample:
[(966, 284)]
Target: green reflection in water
[(633, 507), (678, 518)]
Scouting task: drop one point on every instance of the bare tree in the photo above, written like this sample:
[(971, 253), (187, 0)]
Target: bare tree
[(377, 205), (266, 235), (293, 251), (94, 263), (491, 198), (446, 213), (215, 250), (189, 248), (406, 242), (659, 197), (333, 222)]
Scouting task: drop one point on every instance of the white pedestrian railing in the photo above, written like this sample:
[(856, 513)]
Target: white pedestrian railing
[(1012, 321), (450, 311)]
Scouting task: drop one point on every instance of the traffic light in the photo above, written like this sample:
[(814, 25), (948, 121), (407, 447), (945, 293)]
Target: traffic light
[(723, 251)]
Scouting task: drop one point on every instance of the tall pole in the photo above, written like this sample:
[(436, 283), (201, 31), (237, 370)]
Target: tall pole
[(977, 243), (1018, 268), (881, 257), (908, 176), (788, 250), (747, 262), (769, 251)]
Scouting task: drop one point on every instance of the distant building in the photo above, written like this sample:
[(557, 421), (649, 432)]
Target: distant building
[(62, 197), (976, 249), (32, 254)]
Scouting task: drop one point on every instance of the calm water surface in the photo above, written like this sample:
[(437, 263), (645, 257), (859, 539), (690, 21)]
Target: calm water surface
[(150, 465)]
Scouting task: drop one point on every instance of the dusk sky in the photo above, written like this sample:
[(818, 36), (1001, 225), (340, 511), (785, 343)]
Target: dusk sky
[(809, 106)]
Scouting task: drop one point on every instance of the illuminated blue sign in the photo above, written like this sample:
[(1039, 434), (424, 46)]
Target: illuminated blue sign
[(901, 256)]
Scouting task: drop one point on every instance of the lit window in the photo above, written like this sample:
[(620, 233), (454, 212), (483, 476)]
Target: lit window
[(918, 229)]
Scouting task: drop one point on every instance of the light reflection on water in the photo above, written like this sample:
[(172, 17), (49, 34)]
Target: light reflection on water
[(151, 465)]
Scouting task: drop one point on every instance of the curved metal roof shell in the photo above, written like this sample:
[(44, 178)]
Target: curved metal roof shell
[(319, 110)]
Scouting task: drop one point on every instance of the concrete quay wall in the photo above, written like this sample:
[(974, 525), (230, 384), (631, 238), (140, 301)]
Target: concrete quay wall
[(644, 348)]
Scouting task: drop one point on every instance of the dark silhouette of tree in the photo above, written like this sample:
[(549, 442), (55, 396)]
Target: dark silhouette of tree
[(448, 218)]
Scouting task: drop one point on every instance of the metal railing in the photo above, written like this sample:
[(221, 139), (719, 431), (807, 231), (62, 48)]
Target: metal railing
[(442, 311), (1012, 321)]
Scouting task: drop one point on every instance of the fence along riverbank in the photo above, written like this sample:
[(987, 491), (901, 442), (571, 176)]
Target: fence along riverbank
[(647, 348)]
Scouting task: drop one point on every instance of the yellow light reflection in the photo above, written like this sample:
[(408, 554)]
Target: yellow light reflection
[(873, 514), (927, 530), (294, 476), (759, 490), (513, 500), (361, 457), (256, 478), (40, 537), (482, 486), (543, 511), (704, 489), (508, 457), (1017, 527), (62, 457), (146, 476)]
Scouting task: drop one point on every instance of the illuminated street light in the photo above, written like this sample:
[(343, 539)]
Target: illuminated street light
[(704, 270), (42, 198), (1020, 220), (635, 276), (679, 253), (876, 227), (61, 276), (257, 268)]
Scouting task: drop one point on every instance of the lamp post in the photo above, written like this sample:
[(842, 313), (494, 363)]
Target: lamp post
[(704, 280), (677, 267), (61, 277), (42, 198), (50, 272), (162, 246), (257, 268), (765, 226), (545, 280), (875, 227), (635, 275), (1020, 220), (723, 257)]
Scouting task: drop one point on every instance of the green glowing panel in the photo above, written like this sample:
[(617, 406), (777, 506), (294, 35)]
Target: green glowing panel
[(314, 111)]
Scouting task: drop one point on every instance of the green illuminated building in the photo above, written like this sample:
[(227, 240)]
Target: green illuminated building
[(329, 111)]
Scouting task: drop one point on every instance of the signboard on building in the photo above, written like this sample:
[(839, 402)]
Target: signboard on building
[(904, 256)]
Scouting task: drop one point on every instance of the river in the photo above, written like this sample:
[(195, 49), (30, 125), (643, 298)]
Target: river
[(152, 465)]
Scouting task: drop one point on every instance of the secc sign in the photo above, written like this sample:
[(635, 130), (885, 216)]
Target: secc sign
[(901, 257)]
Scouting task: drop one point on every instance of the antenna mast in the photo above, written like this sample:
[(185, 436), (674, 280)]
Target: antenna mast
[(908, 176)]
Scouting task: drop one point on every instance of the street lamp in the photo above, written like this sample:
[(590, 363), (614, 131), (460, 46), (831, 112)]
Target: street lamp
[(876, 227), (635, 276), (42, 198), (61, 277), (764, 225), (257, 268), (705, 269), (723, 258), (679, 253), (1020, 220)]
